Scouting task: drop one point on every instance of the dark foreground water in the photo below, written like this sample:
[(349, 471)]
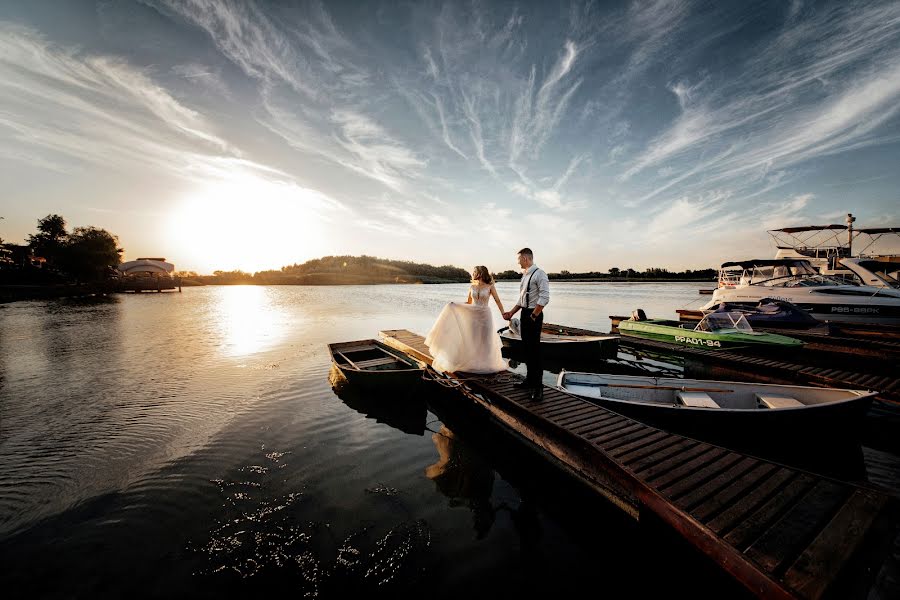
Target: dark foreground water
[(192, 445)]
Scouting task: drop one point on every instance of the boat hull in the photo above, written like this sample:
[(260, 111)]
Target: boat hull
[(599, 348), (374, 365), (685, 336), (829, 419), (861, 309)]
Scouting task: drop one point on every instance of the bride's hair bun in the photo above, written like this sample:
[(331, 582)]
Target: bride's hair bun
[(481, 273)]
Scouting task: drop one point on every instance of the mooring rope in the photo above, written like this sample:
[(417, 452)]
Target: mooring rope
[(455, 381)]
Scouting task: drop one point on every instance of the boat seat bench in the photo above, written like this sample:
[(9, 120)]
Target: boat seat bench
[(375, 362), (776, 401), (696, 399)]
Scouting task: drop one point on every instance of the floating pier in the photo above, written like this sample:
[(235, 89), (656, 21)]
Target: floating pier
[(781, 532)]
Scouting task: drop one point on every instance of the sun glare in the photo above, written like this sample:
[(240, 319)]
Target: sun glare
[(247, 225)]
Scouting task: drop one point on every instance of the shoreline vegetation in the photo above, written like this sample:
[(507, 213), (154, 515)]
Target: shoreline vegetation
[(369, 270)]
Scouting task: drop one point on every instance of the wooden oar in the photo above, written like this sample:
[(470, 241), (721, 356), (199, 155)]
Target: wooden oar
[(660, 387)]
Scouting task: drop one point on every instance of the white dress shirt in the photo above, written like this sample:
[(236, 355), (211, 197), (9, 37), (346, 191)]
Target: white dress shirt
[(538, 291)]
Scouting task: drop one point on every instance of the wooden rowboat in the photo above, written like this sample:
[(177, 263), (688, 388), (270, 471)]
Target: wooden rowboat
[(560, 342), (726, 411), (372, 363)]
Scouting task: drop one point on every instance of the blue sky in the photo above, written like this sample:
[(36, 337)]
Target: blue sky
[(632, 134)]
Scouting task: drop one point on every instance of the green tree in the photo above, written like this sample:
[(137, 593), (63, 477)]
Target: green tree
[(614, 271), (89, 252), (50, 238)]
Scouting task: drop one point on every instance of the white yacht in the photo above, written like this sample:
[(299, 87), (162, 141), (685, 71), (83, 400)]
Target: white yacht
[(826, 246), (798, 282), (874, 272)]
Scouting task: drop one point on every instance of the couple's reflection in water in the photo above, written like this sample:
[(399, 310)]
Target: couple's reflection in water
[(467, 480), (460, 473)]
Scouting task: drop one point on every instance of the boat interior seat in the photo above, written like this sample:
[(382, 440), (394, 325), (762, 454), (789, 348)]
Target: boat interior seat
[(375, 362), (696, 399), (776, 401)]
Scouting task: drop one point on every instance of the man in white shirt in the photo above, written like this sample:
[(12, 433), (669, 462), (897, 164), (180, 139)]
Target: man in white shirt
[(534, 295)]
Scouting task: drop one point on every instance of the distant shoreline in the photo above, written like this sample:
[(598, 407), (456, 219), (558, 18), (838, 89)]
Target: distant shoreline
[(15, 293)]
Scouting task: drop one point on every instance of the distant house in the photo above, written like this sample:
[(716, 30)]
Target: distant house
[(148, 274), (22, 256)]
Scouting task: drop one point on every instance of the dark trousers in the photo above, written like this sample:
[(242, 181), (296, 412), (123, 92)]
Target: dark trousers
[(531, 342)]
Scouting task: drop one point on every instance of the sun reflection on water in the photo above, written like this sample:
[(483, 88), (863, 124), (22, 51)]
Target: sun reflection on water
[(248, 319)]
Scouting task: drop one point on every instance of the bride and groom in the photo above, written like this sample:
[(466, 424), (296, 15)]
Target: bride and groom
[(463, 338)]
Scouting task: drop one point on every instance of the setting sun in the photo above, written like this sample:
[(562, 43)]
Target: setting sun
[(250, 225)]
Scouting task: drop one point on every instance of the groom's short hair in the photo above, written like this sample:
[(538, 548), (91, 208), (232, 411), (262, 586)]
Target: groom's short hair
[(527, 252)]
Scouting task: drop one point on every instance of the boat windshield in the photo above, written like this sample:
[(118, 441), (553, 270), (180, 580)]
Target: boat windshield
[(722, 321), (800, 273)]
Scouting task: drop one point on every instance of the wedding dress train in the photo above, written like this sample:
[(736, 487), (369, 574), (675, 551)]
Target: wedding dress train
[(463, 338)]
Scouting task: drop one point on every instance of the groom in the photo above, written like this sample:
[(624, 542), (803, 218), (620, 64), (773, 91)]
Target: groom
[(534, 295)]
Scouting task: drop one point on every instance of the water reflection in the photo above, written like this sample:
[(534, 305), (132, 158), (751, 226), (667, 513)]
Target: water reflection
[(248, 320), (463, 476), (402, 409)]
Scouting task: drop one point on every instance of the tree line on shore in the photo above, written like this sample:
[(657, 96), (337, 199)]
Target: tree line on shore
[(55, 255), (336, 270)]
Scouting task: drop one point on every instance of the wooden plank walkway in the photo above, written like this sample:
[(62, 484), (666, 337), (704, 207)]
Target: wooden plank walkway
[(781, 532)]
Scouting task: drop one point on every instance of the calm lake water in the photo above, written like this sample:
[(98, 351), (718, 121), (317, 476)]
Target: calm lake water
[(192, 444)]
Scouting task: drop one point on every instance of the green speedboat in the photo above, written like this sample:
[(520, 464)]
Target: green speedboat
[(716, 331)]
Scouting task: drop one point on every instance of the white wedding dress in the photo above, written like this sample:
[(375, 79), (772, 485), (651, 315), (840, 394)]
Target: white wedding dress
[(463, 338)]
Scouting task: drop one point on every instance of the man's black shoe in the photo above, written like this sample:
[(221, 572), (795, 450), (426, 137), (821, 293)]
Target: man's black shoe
[(538, 394)]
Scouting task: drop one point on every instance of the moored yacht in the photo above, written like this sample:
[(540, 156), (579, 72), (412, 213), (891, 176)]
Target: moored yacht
[(827, 246), (798, 282)]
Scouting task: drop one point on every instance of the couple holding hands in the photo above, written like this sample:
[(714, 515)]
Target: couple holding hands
[(463, 338)]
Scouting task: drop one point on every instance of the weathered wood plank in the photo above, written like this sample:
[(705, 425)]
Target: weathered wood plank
[(611, 427), (728, 496), (549, 405), (635, 437), (608, 436), (561, 411), (686, 461), (588, 424), (835, 545), (575, 413), (761, 507), (787, 536), (688, 497), (642, 460), (694, 473), (639, 444), (661, 447), (617, 421), (572, 421)]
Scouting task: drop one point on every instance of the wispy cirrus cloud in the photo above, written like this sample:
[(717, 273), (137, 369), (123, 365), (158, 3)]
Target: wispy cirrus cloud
[(836, 93), (309, 56), (79, 107)]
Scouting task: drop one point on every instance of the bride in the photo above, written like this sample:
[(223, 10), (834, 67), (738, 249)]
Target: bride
[(463, 337)]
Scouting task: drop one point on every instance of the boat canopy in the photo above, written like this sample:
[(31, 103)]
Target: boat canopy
[(769, 262), (809, 228), (146, 265), (724, 321)]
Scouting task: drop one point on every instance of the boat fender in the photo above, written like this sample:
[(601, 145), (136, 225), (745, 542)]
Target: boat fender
[(514, 326)]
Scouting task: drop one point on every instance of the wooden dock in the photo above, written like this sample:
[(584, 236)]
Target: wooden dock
[(781, 532)]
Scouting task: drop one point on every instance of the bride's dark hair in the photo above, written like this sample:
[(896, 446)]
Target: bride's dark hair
[(481, 273)]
